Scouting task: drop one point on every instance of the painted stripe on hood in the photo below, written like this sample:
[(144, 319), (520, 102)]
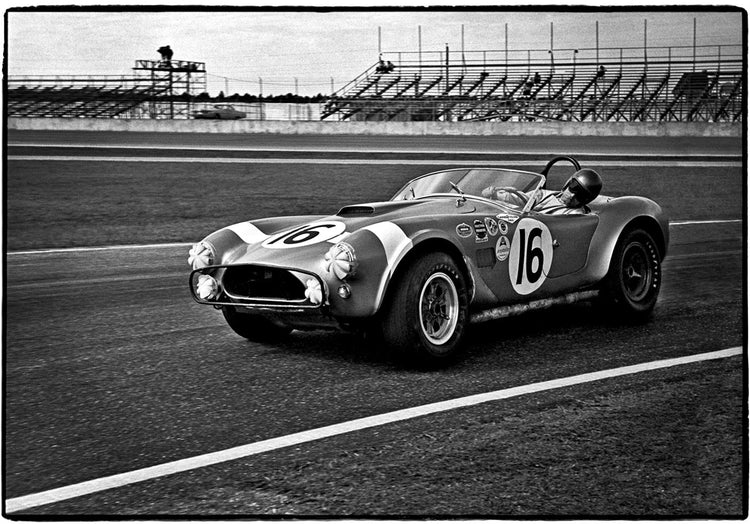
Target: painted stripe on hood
[(247, 232)]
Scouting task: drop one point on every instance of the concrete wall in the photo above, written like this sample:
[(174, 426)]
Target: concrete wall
[(701, 129)]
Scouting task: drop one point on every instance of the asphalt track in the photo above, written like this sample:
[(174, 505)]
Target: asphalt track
[(110, 367)]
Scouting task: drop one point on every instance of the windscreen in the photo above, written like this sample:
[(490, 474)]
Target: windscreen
[(469, 181)]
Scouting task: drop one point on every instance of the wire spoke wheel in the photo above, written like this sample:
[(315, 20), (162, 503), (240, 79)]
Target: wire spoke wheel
[(427, 311), (438, 308)]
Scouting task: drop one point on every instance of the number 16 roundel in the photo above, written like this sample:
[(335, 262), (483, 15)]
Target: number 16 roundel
[(530, 256)]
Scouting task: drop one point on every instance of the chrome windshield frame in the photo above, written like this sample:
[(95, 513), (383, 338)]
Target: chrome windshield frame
[(532, 199), (410, 183)]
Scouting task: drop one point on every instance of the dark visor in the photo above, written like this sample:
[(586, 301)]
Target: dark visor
[(576, 188)]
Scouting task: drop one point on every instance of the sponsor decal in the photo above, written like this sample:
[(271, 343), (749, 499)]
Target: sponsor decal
[(480, 232), (464, 230), (530, 256), (491, 226), (305, 235), (508, 217), (503, 228), (502, 248)]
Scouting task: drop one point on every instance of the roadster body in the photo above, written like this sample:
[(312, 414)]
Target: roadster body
[(419, 268)]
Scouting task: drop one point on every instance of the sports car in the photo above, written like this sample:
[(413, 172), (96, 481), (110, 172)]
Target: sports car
[(418, 269), (220, 112)]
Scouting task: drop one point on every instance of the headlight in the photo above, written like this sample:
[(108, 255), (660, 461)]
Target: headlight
[(313, 291), (341, 261), (207, 287), (201, 255)]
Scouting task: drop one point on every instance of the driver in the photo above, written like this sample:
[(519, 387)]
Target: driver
[(580, 189)]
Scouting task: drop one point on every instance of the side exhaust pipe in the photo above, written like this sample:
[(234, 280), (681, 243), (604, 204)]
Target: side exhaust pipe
[(544, 303)]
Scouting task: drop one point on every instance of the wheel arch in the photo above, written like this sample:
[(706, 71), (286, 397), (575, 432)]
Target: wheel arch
[(649, 224), (427, 245)]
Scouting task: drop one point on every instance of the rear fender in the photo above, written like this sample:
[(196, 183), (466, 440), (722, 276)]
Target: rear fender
[(619, 215)]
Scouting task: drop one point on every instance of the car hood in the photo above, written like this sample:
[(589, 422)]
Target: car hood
[(308, 239)]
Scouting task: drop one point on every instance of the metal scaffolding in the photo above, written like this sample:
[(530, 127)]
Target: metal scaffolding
[(157, 89), (174, 83)]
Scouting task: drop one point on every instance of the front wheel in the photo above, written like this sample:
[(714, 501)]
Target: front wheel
[(427, 311), (632, 284), (253, 327)]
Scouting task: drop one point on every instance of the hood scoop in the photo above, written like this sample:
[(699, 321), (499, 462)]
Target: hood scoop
[(353, 211), (374, 209)]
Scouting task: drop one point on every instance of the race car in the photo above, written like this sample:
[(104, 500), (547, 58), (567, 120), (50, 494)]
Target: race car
[(440, 254), (220, 112)]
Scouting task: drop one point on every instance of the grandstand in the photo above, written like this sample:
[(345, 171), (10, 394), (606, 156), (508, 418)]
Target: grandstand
[(621, 85), (662, 84), (157, 89)]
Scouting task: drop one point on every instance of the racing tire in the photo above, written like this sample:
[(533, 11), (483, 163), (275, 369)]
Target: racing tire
[(426, 314), (632, 284), (253, 327)]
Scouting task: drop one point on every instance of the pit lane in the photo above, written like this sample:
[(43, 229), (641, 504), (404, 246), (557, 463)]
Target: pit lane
[(111, 367)]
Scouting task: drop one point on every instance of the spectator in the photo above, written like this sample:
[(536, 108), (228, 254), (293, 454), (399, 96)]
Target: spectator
[(389, 67), (381, 67), (527, 88), (537, 78), (165, 52), (602, 70)]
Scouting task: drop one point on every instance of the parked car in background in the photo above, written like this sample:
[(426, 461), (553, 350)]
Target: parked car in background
[(219, 112)]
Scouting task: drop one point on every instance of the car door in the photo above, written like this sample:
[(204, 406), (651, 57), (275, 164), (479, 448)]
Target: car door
[(533, 249), (571, 238)]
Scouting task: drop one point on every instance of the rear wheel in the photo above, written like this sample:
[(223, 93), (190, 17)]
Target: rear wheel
[(253, 327), (427, 311), (634, 278)]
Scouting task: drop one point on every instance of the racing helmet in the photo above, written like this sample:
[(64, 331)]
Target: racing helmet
[(585, 185)]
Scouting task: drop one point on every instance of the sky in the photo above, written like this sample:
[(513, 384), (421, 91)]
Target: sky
[(310, 50)]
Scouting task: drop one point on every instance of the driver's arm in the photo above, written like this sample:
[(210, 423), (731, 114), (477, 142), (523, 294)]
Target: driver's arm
[(515, 198)]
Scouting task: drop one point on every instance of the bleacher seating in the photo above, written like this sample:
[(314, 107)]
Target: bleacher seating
[(657, 89), (157, 90), (73, 101)]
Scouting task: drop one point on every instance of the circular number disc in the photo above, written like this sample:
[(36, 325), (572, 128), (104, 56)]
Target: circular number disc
[(305, 235), (530, 256)]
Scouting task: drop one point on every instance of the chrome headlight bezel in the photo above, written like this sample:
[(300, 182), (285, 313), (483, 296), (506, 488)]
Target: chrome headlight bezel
[(341, 261), (201, 255)]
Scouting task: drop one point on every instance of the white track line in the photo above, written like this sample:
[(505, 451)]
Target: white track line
[(354, 161), (99, 248), (202, 461), (365, 150)]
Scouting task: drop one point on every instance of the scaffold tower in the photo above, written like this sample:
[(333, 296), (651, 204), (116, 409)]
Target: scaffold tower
[(173, 84)]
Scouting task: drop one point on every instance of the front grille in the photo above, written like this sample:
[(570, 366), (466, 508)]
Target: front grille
[(257, 282)]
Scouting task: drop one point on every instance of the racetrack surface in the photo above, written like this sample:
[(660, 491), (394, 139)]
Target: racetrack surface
[(111, 367)]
